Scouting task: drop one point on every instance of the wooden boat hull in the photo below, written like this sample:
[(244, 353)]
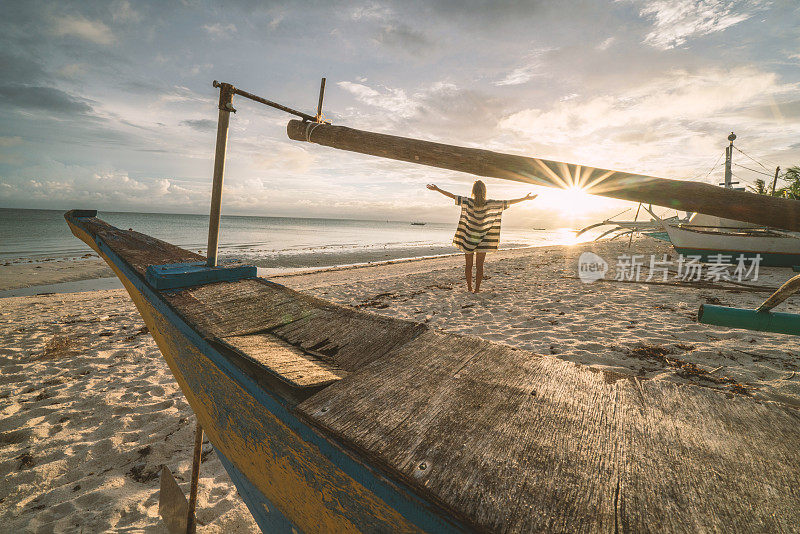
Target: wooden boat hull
[(296, 479), (775, 251)]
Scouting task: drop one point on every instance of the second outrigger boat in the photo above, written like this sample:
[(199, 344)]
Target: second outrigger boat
[(330, 419), (713, 237)]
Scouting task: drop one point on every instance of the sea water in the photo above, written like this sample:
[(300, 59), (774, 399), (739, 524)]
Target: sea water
[(273, 243)]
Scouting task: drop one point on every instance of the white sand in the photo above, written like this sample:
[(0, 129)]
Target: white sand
[(89, 410)]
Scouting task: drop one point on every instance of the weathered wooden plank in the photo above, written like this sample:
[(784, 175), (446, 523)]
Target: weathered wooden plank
[(697, 459), (675, 194), (457, 417), (139, 250), (512, 442), (348, 337), (243, 307), (295, 366), (384, 388), (342, 336)]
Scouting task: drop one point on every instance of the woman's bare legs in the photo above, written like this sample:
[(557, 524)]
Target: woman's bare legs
[(480, 256), (468, 270)]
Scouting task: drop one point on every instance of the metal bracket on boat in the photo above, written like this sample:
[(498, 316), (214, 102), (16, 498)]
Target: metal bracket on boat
[(179, 275), (226, 92)]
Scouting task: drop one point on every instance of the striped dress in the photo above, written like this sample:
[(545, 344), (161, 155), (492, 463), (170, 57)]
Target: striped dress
[(479, 228)]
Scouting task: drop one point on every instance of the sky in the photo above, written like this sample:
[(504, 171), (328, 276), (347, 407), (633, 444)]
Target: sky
[(110, 105)]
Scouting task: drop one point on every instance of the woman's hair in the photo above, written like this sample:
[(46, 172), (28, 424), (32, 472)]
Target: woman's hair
[(479, 193)]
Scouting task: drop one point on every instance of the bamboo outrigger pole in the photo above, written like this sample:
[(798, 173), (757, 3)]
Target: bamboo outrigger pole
[(676, 194)]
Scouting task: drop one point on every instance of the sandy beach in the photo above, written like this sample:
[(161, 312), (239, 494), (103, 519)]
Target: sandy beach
[(89, 410)]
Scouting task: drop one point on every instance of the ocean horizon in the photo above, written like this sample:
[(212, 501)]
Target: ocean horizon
[(268, 242)]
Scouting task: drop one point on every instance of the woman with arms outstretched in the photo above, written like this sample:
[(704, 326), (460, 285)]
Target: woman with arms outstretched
[(478, 229)]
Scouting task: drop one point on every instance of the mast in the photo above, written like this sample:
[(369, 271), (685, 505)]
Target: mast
[(728, 184), (674, 194), (226, 92)]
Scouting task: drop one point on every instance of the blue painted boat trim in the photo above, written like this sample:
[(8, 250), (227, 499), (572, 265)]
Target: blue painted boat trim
[(396, 494), (179, 275), (267, 515)]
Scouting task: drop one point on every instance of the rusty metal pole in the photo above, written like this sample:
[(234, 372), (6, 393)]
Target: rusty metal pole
[(226, 92), (191, 522)]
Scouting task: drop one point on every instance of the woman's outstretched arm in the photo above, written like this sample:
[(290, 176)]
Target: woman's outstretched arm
[(529, 196), (434, 187)]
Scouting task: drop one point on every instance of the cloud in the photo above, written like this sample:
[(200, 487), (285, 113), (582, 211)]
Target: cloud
[(606, 44), (203, 125), (10, 141), (372, 11), (394, 101), (441, 109), (53, 184), (533, 66), (83, 28), (677, 116), (676, 21), (43, 98), (20, 69), (72, 70), (402, 37), (219, 30), (121, 11)]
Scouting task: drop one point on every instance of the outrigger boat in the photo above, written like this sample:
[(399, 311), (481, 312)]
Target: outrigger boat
[(709, 237), (330, 419)]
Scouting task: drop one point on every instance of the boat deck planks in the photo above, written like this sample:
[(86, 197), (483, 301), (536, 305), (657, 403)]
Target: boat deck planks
[(503, 439), (139, 250), (291, 364), (514, 442), (340, 336)]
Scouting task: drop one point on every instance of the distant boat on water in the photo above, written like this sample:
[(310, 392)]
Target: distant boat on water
[(417, 224)]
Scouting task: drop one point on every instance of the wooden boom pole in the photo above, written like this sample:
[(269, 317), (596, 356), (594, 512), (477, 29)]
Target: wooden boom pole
[(676, 194)]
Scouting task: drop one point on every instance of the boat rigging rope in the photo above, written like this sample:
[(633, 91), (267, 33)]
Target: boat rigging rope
[(310, 127), (712, 168), (755, 170), (749, 156)]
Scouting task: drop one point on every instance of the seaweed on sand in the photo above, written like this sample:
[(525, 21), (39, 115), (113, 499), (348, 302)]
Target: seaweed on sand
[(684, 369)]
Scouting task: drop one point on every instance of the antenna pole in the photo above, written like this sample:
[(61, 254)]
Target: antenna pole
[(728, 159), (226, 92)]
